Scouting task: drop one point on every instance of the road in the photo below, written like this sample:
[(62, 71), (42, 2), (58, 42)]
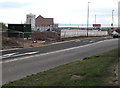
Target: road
[(17, 68), (48, 48)]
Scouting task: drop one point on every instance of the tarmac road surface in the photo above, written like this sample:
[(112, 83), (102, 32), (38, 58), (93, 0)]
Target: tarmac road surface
[(10, 54), (17, 68)]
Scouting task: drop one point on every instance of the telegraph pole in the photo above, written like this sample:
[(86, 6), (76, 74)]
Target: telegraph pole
[(88, 18), (95, 18), (112, 18)]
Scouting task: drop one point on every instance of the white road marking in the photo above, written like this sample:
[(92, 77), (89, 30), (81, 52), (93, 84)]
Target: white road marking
[(8, 55), (1, 57), (77, 40), (32, 52), (54, 52), (12, 54), (90, 41)]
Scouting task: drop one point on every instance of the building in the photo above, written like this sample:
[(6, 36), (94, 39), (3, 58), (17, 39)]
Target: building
[(30, 19), (19, 30), (119, 14), (44, 24), (97, 26)]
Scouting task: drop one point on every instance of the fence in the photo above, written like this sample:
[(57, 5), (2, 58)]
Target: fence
[(76, 33)]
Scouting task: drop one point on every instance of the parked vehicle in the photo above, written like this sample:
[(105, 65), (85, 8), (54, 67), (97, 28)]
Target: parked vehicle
[(116, 35)]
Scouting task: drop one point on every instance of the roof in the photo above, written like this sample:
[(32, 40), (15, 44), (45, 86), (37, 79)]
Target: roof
[(44, 21), (95, 25)]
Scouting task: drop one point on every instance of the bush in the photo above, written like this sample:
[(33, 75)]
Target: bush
[(47, 35)]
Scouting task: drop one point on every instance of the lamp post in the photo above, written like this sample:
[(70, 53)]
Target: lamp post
[(112, 18), (95, 18), (87, 18)]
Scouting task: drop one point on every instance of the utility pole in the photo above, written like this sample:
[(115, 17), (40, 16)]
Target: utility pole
[(87, 18), (112, 18), (95, 18)]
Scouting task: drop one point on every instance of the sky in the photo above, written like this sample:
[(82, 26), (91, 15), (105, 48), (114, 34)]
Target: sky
[(63, 11)]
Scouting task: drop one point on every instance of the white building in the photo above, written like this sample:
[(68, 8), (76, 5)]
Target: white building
[(119, 14), (30, 19)]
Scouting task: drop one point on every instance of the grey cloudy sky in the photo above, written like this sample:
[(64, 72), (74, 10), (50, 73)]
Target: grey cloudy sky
[(63, 11)]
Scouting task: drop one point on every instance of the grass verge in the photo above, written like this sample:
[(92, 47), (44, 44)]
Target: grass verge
[(92, 71)]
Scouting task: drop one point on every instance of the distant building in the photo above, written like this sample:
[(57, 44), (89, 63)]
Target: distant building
[(44, 24), (19, 30), (119, 14), (96, 26), (30, 19)]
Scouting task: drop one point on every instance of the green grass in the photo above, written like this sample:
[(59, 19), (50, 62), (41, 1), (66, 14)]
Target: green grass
[(96, 71)]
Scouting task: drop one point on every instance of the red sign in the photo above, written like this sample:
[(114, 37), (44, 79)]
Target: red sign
[(96, 25)]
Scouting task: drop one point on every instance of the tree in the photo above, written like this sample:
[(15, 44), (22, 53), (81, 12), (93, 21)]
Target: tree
[(3, 26)]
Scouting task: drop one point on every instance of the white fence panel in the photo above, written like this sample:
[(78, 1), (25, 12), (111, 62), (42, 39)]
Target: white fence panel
[(74, 33)]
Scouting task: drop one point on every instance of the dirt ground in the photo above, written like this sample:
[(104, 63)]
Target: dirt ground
[(12, 42), (47, 36)]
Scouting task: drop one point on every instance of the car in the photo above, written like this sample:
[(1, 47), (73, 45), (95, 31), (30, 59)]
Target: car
[(116, 35)]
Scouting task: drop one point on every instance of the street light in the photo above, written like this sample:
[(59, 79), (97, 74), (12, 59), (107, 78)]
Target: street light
[(87, 18), (112, 18), (95, 18)]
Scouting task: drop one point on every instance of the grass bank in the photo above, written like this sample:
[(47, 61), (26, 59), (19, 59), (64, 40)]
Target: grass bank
[(92, 71)]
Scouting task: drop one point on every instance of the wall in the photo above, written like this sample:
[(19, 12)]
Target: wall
[(74, 33)]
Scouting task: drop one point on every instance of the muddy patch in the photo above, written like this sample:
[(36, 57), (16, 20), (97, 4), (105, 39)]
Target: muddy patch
[(76, 77)]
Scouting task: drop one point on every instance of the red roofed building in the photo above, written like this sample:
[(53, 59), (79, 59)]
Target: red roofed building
[(44, 24), (96, 26)]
